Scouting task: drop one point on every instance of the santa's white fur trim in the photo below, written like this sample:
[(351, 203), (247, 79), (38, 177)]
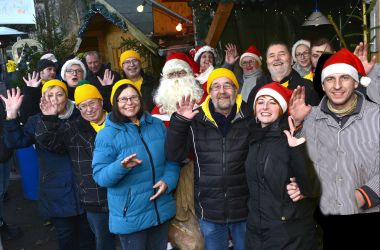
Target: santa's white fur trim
[(204, 49), (270, 92), (339, 68), (257, 58), (175, 65)]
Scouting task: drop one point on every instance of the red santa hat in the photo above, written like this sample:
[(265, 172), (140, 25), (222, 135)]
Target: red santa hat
[(199, 50), (253, 52), (278, 92), (177, 61), (345, 62)]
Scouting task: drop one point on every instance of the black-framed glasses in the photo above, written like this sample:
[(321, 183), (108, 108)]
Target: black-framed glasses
[(131, 62), (74, 71), (218, 87), (305, 54), (91, 104), (124, 99)]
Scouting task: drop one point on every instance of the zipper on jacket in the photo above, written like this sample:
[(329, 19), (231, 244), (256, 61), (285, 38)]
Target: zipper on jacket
[(153, 173), (126, 206), (224, 176)]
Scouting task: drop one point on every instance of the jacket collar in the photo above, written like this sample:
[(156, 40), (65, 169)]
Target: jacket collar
[(207, 112), (357, 114), (146, 119)]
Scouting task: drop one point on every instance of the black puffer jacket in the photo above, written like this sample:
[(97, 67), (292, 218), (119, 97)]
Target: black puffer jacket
[(220, 187), (275, 221), (5, 153)]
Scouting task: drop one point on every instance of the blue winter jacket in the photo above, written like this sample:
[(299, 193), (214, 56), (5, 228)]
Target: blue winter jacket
[(58, 195), (129, 190)]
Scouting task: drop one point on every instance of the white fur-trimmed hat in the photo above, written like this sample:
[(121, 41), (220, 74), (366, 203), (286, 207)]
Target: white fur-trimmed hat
[(198, 51), (253, 52), (71, 62), (345, 62), (298, 43), (177, 61), (278, 92)]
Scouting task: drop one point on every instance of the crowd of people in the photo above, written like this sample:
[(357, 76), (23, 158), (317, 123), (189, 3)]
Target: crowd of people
[(207, 156)]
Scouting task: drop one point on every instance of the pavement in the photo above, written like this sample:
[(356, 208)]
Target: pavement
[(23, 213)]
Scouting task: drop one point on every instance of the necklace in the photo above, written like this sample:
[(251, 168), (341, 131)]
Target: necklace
[(346, 111)]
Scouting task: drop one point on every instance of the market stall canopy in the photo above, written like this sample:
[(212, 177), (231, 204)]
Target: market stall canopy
[(5, 31)]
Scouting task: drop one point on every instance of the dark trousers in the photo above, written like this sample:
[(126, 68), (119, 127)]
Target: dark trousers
[(154, 238), (99, 225), (348, 231), (74, 233)]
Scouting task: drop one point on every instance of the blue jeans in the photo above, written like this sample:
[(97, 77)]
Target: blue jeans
[(5, 170), (104, 239), (74, 233), (216, 235), (154, 238)]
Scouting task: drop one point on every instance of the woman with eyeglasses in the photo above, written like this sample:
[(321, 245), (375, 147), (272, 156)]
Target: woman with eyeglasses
[(279, 218), (129, 160), (58, 195), (301, 54), (72, 72)]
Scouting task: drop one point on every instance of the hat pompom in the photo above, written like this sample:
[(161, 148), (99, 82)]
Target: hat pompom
[(365, 81)]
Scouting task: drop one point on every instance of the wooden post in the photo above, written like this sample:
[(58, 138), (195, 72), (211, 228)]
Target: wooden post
[(218, 23), (377, 53)]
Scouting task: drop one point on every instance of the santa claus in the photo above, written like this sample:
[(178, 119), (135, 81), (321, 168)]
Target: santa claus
[(177, 80)]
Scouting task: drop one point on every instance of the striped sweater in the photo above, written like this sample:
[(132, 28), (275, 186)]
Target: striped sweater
[(346, 158)]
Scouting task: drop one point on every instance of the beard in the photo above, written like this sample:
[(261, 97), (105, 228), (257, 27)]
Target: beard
[(171, 91)]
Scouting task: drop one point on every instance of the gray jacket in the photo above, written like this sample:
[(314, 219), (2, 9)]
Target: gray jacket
[(345, 158)]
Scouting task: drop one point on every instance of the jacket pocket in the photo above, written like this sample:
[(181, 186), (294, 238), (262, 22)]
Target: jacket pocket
[(127, 203)]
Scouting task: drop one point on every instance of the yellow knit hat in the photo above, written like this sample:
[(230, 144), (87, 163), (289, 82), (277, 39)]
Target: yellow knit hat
[(129, 54), (85, 92), (120, 83), (220, 72), (52, 83)]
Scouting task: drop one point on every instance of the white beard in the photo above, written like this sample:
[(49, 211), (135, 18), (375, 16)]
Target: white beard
[(171, 91)]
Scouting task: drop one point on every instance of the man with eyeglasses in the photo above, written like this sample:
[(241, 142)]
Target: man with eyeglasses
[(77, 137), (250, 63), (130, 63), (101, 76), (217, 135), (279, 64)]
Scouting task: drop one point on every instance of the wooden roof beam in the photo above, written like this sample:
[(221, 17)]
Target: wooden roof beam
[(218, 24)]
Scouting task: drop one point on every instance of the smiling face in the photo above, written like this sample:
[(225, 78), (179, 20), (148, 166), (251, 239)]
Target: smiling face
[(249, 65), (267, 110), (129, 104), (132, 68), (339, 89), (223, 95), (303, 55), (73, 75), (278, 61), (56, 95), (92, 110), (206, 60)]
